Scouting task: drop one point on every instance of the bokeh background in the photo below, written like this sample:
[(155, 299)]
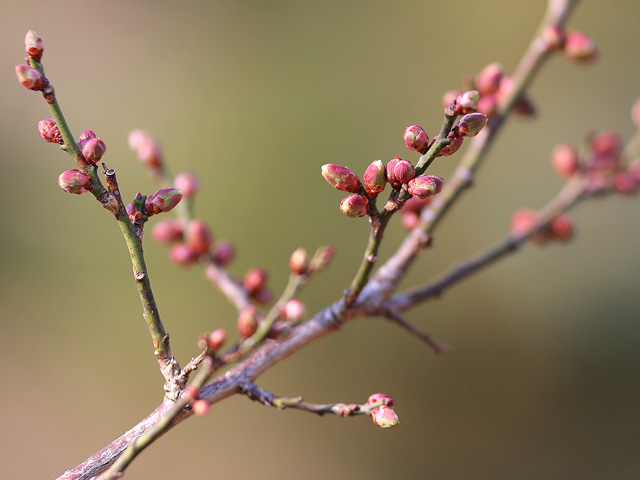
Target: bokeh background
[(542, 381)]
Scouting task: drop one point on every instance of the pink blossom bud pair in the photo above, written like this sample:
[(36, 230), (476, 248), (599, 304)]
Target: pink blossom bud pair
[(383, 416), (400, 171), (92, 147)]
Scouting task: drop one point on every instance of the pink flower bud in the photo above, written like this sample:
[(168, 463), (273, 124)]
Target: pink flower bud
[(415, 138), (488, 80), (607, 143), (468, 101), (255, 279), (293, 310), (248, 321), (75, 181), (523, 221), (578, 47), (386, 399), (375, 177), (354, 206), (49, 131), (182, 255), (400, 171), (84, 137), (163, 200), (449, 96), (216, 339), (439, 181), (452, 148), (188, 183), (29, 77), (341, 178), (422, 186), (201, 407), (33, 45), (471, 124), (168, 231), (299, 261), (415, 204), (224, 253), (488, 104), (93, 149), (385, 417), (410, 220), (624, 183), (199, 237), (564, 159), (262, 296), (553, 37), (146, 147), (561, 228)]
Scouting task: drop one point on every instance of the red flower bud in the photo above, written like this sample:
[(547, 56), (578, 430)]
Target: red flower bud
[(452, 148), (216, 339), (410, 220), (422, 186), (375, 177), (299, 261), (146, 147), (384, 417), (341, 178), (49, 131), (354, 206), (182, 255), (84, 137), (564, 159), (488, 80), (75, 181), (415, 138), (163, 200), (93, 149), (400, 171), (471, 124), (188, 183), (293, 310), (224, 253), (248, 321), (561, 228), (33, 45), (168, 231), (578, 47), (199, 237), (255, 279), (29, 77)]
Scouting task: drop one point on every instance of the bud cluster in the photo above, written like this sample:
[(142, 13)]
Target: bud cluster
[(384, 416)]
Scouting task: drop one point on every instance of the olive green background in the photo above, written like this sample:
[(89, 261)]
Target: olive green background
[(542, 381)]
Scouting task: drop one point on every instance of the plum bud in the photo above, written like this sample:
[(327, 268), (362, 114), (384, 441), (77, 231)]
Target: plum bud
[(468, 101), (188, 183), (29, 77), (384, 417), (471, 124), (146, 147), (255, 279), (168, 231), (553, 37), (182, 255), (163, 200), (354, 206), (93, 149), (422, 186), (75, 181), (248, 321), (488, 80), (376, 397), (201, 407), (341, 178), (578, 47), (561, 228), (33, 45), (84, 137), (293, 310), (375, 177), (564, 159), (224, 253), (49, 131), (299, 261), (216, 339), (415, 138), (199, 237), (400, 171), (453, 147)]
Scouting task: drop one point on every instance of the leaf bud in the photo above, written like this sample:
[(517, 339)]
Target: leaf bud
[(75, 181), (188, 183), (49, 131), (471, 124), (422, 186), (182, 255), (375, 177), (341, 178), (248, 321), (33, 45), (384, 417), (93, 149), (578, 47), (168, 231), (199, 237), (299, 261), (255, 279), (564, 158), (29, 77), (354, 206), (163, 200), (415, 138), (293, 310)]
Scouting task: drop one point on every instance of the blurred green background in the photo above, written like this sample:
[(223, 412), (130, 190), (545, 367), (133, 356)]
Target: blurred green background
[(542, 381)]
